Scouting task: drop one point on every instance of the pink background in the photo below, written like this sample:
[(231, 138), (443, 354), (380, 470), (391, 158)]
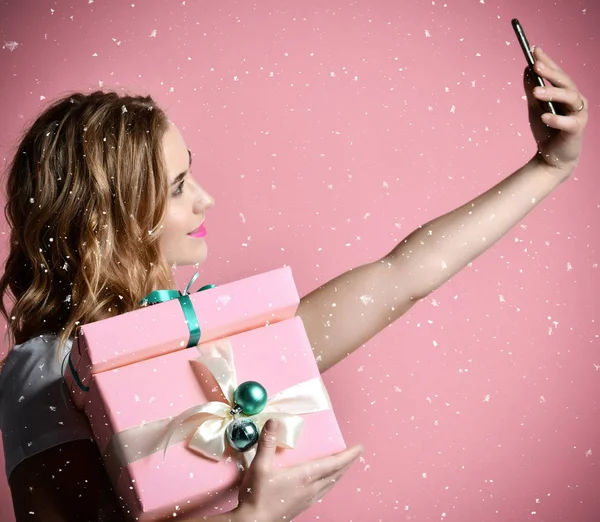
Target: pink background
[(328, 131)]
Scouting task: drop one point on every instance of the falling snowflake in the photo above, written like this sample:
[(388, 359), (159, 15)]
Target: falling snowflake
[(366, 299), (223, 299), (11, 46)]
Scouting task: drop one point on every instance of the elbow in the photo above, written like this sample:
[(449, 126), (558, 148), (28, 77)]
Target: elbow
[(418, 274)]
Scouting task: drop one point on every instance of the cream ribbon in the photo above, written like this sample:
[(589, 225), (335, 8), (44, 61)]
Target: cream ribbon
[(209, 439)]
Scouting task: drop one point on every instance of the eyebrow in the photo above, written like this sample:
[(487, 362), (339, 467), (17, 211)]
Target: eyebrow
[(182, 175)]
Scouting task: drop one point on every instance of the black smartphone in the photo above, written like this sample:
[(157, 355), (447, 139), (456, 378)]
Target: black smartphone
[(553, 107)]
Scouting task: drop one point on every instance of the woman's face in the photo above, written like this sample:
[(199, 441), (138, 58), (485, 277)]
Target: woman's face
[(182, 239)]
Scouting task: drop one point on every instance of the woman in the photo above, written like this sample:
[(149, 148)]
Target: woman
[(101, 203)]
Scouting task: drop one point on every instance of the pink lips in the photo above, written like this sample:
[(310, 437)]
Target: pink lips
[(199, 232)]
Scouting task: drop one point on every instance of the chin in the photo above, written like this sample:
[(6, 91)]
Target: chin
[(187, 262), (186, 256), (196, 258)]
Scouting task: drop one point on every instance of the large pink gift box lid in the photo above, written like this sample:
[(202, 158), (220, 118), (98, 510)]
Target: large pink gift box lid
[(161, 328)]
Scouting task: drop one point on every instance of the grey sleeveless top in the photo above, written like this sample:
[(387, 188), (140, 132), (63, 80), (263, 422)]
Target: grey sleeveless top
[(36, 412)]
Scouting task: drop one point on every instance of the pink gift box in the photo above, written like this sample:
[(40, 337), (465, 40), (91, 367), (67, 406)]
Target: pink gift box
[(161, 328), (132, 400)]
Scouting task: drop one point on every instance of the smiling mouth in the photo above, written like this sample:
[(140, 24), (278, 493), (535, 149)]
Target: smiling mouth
[(198, 232)]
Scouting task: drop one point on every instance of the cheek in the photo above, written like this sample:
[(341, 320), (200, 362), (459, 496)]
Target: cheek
[(176, 225), (168, 233), (170, 243), (173, 222)]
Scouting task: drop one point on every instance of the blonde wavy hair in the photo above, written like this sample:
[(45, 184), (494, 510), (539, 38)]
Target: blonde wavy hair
[(86, 193)]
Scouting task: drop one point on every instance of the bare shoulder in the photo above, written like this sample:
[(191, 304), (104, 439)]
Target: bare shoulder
[(64, 483)]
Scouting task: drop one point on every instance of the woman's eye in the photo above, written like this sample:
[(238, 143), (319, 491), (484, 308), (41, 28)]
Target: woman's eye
[(179, 189)]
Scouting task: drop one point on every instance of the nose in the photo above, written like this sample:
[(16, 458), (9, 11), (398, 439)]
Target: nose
[(203, 200)]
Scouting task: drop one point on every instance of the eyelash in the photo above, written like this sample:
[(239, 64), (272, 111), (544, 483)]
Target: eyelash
[(179, 189)]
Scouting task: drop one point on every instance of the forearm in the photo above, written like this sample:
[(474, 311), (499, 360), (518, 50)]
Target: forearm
[(433, 253)]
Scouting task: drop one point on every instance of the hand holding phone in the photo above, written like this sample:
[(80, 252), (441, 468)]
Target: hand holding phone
[(552, 107)]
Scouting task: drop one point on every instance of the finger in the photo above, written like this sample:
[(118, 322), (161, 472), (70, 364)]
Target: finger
[(556, 77), (568, 124), (571, 100), (325, 485), (263, 460), (540, 54), (320, 468), (323, 491), (534, 106), (528, 84), (337, 475)]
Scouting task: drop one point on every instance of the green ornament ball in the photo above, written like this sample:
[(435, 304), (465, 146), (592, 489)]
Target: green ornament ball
[(242, 434), (251, 396)]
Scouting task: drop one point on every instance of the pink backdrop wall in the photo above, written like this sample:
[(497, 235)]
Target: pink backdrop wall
[(327, 131)]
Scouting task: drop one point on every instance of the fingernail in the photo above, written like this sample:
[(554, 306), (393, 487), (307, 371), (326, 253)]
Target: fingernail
[(540, 65), (539, 90), (271, 425)]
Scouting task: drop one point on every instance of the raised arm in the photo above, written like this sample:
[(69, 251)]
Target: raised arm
[(344, 313)]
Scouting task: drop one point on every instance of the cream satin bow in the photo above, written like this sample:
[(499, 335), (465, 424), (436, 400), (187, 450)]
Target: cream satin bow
[(286, 406)]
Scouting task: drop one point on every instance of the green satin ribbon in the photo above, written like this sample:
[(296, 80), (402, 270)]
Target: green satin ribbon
[(162, 296), (191, 319), (76, 376)]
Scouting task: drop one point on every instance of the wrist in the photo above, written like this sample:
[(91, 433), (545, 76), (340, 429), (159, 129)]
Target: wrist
[(556, 173)]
